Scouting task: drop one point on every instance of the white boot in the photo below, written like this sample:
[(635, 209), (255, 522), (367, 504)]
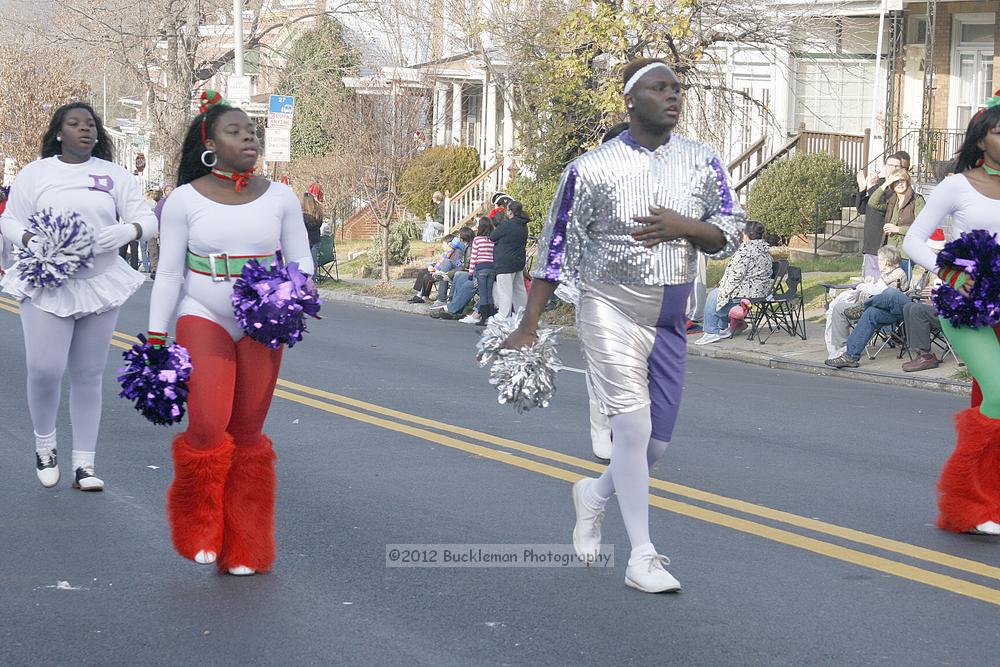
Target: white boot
[(987, 528), (600, 432), (587, 531), (647, 574), (241, 571)]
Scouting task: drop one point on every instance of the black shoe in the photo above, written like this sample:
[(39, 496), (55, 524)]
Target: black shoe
[(843, 361), (443, 314), (417, 299), (47, 467)]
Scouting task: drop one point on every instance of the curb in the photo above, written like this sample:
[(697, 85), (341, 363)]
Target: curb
[(814, 368), (755, 358), (374, 301)]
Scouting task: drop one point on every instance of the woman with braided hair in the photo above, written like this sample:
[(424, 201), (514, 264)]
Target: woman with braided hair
[(969, 487), (68, 323), (221, 215)]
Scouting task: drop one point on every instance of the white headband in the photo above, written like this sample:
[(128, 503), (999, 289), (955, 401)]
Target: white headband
[(641, 73)]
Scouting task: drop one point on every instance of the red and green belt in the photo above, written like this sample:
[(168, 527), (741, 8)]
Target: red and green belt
[(223, 266)]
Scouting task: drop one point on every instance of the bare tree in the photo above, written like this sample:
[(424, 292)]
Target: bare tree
[(171, 47), (382, 135), (36, 81)]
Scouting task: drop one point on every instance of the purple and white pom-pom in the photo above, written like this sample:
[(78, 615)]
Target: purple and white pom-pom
[(155, 379), (271, 303), (64, 245), (978, 254), (524, 378)]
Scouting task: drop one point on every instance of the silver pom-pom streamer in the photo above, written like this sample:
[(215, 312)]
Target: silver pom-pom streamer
[(65, 244), (524, 378)]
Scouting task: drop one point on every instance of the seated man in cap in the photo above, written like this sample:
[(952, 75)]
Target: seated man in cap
[(889, 308)]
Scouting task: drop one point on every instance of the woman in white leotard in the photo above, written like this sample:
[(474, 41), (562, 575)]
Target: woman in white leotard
[(69, 327), (969, 487), (221, 502)]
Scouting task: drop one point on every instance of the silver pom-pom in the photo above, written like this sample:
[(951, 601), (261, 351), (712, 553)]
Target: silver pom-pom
[(524, 378), (63, 244)]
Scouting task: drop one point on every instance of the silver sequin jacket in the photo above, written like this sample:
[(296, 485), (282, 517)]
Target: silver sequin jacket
[(586, 234)]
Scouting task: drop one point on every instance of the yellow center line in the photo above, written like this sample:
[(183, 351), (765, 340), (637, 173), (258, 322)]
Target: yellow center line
[(902, 570), (776, 534), (850, 534)]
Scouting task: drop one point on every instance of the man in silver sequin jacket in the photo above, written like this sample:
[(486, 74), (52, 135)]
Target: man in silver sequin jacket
[(627, 222)]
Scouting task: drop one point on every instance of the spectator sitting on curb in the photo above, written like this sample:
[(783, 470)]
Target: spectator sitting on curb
[(886, 309), (443, 277), (450, 258), (838, 323), (747, 276)]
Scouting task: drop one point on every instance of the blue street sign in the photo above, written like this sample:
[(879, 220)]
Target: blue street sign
[(281, 104)]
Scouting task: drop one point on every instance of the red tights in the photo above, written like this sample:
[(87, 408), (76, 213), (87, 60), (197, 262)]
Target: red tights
[(231, 384)]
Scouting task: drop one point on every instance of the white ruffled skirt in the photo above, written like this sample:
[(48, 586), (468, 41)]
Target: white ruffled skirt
[(78, 297)]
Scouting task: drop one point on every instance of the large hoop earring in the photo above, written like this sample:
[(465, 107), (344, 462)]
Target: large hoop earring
[(204, 159)]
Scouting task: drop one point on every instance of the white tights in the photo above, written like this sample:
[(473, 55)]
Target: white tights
[(633, 454), (54, 345)]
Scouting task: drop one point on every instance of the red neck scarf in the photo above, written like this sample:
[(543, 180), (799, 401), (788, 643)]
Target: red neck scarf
[(241, 178)]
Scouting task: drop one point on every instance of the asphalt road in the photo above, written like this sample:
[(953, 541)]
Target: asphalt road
[(797, 510)]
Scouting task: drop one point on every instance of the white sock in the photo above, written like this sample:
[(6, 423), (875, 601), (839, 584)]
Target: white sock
[(592, 497), (45, 441), (638, 552), (81, 459)]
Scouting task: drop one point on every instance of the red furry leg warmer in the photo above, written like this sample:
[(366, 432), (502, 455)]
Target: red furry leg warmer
[(249, 506), (194, 500), (969, 487)]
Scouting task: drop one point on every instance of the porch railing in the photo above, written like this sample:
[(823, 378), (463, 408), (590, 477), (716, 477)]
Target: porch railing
[(930, 152), (851, 148), (463, 206)]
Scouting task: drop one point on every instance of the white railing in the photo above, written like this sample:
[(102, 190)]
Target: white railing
[(472, 200)]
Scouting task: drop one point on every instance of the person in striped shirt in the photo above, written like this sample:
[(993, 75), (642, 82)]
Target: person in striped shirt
[(481, 266)]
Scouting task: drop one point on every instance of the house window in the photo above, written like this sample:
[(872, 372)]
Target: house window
[(834, 94), (972, 66)]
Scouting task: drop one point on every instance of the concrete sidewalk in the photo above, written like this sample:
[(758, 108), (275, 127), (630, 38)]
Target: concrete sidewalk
[(780, 351)]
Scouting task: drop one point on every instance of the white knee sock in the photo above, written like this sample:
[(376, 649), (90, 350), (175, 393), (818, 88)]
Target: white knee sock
[(81, 459), (598, 493), (45, 441), (629, 471)]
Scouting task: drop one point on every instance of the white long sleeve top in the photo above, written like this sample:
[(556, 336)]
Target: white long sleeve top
[(101, 192), (969, 209), (191, 221)]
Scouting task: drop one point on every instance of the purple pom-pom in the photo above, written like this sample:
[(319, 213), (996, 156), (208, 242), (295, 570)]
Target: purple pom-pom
[(63, 244), (271, 303), (978, 254), (156, 378)]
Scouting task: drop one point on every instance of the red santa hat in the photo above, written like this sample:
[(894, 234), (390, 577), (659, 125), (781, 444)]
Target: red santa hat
[(936, 241), (316, 191)]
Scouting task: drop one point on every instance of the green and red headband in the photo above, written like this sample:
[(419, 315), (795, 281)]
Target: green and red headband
[(210, 99)]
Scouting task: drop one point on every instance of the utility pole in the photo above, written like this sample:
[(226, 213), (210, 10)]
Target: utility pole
[(238, 35)]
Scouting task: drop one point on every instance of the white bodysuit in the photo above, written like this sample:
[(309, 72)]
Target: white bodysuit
[(191, 221), (969, 209), (102, 193)]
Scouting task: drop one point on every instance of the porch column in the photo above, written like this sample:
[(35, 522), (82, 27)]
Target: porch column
[(456, 114), (440, 110), (508, 134), (490, 129)]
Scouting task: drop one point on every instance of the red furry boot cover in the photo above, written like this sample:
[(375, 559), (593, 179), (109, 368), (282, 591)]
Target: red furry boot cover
[(249, 506), (194, 500), (969, 487)]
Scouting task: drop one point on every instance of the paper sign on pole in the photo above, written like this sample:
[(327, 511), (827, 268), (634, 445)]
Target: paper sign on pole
[(238, 89), (277, 144)]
